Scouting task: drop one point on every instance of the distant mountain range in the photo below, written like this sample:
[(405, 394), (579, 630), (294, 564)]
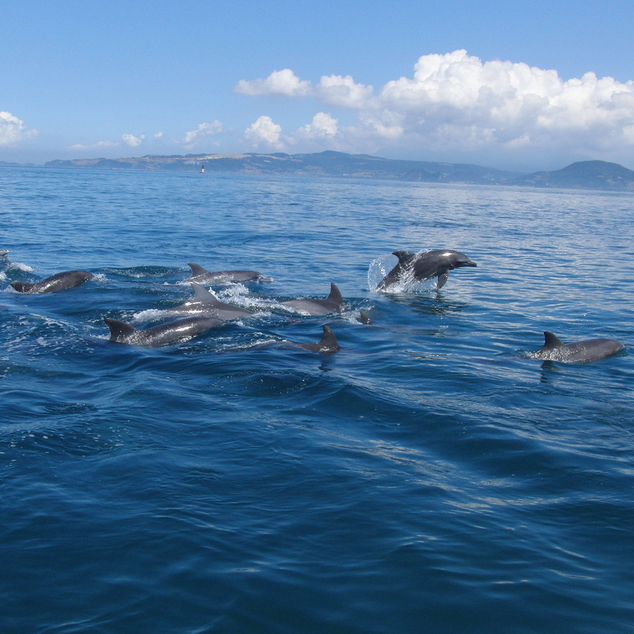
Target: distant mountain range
[(584, 174)]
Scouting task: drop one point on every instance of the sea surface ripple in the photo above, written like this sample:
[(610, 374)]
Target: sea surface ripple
[(428, 477)]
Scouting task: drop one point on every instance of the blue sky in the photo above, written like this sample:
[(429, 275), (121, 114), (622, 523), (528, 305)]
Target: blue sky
[(531, 85)]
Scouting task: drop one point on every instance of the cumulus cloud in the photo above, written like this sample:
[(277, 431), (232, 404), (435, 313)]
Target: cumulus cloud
[(458, 102), (132, 141), (202, 131), (264, 132), (279, 82), (13, 130), (322, 126)]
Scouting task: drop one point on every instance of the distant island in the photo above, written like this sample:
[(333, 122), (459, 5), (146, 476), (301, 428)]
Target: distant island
[(580, 175)]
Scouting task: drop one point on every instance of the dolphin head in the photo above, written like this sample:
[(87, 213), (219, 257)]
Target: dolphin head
[(457, 259)]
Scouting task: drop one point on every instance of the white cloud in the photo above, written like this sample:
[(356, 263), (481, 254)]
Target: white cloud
[(202, 131), (12, 129), (323, 126), (279, 82), (456, 102), (342, 92), (94, 146), (264, 132), (158, 136), (132, 141)]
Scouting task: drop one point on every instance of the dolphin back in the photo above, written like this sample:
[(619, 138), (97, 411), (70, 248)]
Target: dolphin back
[(119, 330)]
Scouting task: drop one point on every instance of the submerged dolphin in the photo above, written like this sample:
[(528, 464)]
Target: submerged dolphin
[(121, 332), (327, 345), (424, 266), (205, 303), (203, 276), (579, 352), (57, 282), (332, 304)]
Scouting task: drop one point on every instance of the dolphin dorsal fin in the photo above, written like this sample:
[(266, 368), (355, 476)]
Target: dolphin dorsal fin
[(201, 294), (403, 256), (197, 269), (329, 340), (335, 294), (551, 341), (119, 328)]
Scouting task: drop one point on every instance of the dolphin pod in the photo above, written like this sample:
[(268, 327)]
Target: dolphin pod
[(57, 282), (211, 312), (424, 266), (584, 351)]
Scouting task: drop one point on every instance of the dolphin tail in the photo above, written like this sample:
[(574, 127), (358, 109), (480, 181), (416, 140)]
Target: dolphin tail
[(119, 330), (197, 269), (22, 287), (442, 280)]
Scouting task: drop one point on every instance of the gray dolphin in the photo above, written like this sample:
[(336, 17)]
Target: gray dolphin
[(424, 266), (205, 303), (332, 304), (57, 282), (327, 345), (4, 252), (203, 276), (121, 332), (579, 352)]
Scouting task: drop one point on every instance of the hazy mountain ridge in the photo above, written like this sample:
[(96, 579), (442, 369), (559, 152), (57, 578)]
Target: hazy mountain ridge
[(583, 174)]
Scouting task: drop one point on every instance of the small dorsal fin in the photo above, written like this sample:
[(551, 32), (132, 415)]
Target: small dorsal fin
[(329, 340), (335, 294), (365, 318), (201, 294), (403, 256), (551, 341), (197, 269), (119, 328)]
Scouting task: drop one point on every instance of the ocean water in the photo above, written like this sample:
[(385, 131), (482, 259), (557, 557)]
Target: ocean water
[(428, 477)]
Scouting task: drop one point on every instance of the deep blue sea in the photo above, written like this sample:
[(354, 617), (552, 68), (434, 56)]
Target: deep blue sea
[(430, 477)]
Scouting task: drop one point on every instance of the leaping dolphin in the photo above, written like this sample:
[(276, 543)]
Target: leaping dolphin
[(203, 276), (327, 345), (579, 352), (57, 282), (424, 266), (181, 330), (332, 304), (205, 303), (4, 252)]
